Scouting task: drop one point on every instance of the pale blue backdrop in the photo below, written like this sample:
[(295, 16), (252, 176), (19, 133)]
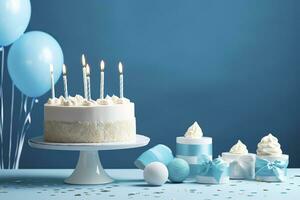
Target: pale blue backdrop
[(233, 66)]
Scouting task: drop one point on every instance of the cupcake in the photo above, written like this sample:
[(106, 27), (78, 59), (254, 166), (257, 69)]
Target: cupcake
[(192, 146), (241, 162), (271, 164)]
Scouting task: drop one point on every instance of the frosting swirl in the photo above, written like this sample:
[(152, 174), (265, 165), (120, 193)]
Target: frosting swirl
[(122, 101), (268, 146), (194, 131), (239, 148), (105, 101), (88, 102), (80, 101), (52, 101), (68, 103)]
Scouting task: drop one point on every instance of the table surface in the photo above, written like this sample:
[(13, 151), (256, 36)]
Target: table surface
[(129, 184)]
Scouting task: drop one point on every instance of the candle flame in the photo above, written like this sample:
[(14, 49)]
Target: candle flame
[(102, 65), (83, 60), (51, 68), (88, 72), (120, 68), (64, 69)]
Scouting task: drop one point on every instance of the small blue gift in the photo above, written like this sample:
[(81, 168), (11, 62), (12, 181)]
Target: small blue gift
[(271, 169), (160, 153), (212, 171)]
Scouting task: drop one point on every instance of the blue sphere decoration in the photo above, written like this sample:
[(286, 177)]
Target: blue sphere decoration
[(29, 59), (178, 169), (14, 19)]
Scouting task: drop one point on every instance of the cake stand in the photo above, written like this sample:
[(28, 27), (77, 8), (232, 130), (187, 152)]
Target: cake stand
[(88, 169)]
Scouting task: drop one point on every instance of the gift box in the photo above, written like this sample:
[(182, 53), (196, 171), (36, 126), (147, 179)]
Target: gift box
[(192, 150), (160, 153), (241, 166), (212, 171), (271, 168)]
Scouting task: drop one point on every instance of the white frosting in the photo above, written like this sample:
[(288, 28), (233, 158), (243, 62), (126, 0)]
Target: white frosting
[(114, 99), (106, 101), (103, 102), (89, 102), (80, 101), (194, 131), (239, 148), (68, 103), (52, 101), (103, 113), (269, 146), (122, 101)]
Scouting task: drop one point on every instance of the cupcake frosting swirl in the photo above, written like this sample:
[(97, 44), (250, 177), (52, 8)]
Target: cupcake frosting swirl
[(268, 146), (239, 148), (194, 131)]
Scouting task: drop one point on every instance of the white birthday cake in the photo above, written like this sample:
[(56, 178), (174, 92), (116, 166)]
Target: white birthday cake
[(78, 120)]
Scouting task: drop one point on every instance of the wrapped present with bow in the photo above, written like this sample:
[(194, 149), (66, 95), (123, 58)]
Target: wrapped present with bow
[(241, 163), (271, 168), (212, 171), (271, 164)]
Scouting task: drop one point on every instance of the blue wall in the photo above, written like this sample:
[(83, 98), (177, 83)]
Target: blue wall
[(233, 66)]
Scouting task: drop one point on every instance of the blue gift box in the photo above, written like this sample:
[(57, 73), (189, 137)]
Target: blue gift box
[(212, 171), (160, 153), (271, 168), (192, 150)]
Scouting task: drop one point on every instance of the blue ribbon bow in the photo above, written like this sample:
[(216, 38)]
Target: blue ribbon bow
[(215, 167), (264, 167)]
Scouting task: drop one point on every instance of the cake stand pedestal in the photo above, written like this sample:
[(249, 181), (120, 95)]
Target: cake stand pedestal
[(88, 169)]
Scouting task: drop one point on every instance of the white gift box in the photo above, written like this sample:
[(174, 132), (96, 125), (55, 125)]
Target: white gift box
[(241, 166), (273, 171)]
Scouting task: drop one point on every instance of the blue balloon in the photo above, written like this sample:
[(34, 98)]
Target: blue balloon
[(29, 59), (14, 19)]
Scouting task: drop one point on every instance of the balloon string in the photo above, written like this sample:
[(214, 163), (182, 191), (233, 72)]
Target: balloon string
[(19, 149), (2, 109), (25, 127), (18, 132), (11, 122), (19, 129)]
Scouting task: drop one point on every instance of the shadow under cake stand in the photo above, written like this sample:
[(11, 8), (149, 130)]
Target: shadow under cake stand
[(88, 169)]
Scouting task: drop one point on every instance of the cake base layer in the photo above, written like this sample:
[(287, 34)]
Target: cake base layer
[(90, 132)]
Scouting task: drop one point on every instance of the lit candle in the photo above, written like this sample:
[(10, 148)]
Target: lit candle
[(64, 71), (84, 75), (88, 81), (52, 81), (121, 79), (102, 65)]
